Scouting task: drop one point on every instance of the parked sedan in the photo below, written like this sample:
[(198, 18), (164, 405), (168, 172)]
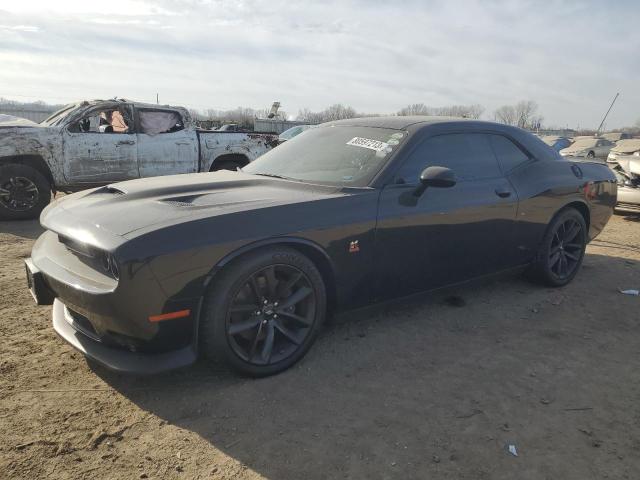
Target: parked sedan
[(243, 267), (588, 148)]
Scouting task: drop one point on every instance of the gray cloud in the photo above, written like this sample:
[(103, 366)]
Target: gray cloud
[(571, 57)]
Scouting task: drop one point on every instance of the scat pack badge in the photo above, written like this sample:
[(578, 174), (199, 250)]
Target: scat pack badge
[(354, 246)]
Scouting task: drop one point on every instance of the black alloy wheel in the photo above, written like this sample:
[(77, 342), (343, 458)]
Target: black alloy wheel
[(263, 311), (271, 315), (18, 194), (24, 192), (566, 250), (562, 249)]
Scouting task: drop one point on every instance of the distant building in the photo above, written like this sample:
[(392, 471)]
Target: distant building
[(35, 113)]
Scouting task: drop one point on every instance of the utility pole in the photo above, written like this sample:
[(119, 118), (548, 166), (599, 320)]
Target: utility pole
[(157, 100), (605, 115)]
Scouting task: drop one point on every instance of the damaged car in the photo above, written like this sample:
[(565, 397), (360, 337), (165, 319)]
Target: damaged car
[(93, 143), (243, 267), (627, 171)]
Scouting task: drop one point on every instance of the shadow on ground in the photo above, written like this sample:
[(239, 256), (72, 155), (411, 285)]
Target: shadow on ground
[(22, 228), (436, 385)]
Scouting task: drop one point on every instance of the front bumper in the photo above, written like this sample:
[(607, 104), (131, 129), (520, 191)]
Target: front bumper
[(628, 198), (111, 322), (117, 359)]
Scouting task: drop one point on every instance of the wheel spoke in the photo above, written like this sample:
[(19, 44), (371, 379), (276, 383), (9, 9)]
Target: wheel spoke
[(553, 259), (572, 245), (255, 288), (290, 283), (571, 234), (296, 298), (267, 348), (239, 327), (272, 282), (243, 308), (298, 318), (4, 191), (254, 344), (286, 332), (573, 256)]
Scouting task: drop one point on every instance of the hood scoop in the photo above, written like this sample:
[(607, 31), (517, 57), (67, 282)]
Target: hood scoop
[(111, 189), (207, 200)]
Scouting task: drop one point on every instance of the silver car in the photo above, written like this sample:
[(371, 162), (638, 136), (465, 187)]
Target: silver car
[(590, 147)]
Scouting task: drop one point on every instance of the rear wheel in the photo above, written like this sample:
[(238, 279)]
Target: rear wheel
[(24, 192), (263, 312), (226, 165), (562, 249), (591, 155)]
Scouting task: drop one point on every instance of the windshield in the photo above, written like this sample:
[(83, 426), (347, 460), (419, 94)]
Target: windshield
[(335, 155), (58, 116)]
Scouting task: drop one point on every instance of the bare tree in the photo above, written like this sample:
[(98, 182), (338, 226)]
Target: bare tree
[(525, 110), (465, 111), (506, 114), (414, 109), (334, 112)]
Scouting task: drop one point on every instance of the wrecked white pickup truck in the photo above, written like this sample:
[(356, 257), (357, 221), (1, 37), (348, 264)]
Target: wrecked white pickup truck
[(97, 142)]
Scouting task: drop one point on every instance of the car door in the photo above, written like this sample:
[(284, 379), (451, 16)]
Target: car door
[(165, 146), (447, 234), (97, 151)]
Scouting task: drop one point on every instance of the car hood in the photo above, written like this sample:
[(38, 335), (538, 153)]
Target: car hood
[(11, 121), (123, 208)]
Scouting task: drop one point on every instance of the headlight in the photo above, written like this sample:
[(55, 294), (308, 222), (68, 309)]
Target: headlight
[(110, 265)]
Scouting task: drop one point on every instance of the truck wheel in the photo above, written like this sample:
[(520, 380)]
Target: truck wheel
[(24, 192)]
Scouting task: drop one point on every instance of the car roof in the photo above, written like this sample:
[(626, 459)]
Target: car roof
[(397, 122)]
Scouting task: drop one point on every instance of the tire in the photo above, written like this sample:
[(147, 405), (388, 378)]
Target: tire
[(241, 316), (24, 192), (591, 155), (562, 249), (226, 165)]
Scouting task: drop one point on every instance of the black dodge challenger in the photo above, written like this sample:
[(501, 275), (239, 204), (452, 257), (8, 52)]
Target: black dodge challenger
[(243, 267)]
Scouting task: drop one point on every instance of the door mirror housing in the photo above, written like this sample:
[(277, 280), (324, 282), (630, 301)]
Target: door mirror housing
[(436, 177)]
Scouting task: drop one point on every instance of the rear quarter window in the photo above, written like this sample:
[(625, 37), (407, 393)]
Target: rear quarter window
[(509, 155)]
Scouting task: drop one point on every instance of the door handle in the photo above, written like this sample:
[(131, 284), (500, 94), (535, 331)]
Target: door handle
[(503, 193), (125, 142)]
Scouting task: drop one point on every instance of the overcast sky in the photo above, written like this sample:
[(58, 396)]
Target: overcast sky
[(569, 56)]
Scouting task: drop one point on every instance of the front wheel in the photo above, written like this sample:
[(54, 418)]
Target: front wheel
[(24, 192), (562, 249), (263, 311), (591, 155)]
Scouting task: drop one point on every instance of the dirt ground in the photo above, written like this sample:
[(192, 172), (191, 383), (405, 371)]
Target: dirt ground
[(433, 387)]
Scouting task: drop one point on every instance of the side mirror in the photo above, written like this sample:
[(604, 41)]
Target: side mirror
[(436, 177)]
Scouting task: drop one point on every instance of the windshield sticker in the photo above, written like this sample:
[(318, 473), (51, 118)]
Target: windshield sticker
[(393, 141), (376, 145), (397, 135)]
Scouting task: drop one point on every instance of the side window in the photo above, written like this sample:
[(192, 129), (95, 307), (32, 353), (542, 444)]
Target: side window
[(508, 153), (469, 155), (111, 120), (153, 122)]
